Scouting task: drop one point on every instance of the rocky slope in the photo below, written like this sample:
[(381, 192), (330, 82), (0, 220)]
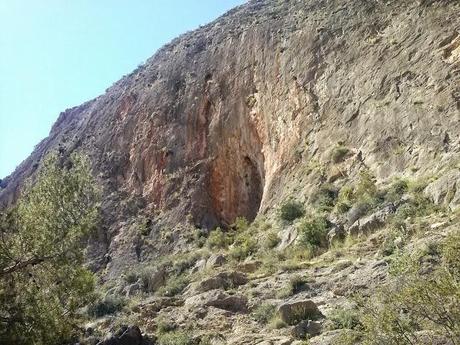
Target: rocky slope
[(271, 101)]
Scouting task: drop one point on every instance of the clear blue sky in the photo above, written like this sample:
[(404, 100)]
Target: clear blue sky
[(55, 54)]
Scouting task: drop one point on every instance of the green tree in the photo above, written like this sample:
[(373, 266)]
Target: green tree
[(42, 279)]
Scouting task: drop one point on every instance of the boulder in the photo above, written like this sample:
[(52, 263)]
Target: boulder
[(223, 280), (306, 328), (356, 212), (294, 312), (233, 303), (288, 237), (218, 299), (112, 340), (445, 190), (127, 336), (199, 266), (156, 280), (337, 233), (132, 289), (132, 336), (149, 307), (216, 260), (249, 266)]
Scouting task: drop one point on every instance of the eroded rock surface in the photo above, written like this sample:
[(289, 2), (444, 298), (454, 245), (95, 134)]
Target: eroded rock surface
[(225, 121)]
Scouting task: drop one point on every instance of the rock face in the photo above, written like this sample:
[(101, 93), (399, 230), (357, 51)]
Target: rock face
[(127, 336), (372, 222), (224, 121)]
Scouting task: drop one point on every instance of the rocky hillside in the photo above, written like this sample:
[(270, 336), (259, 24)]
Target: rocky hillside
[(333, 112)]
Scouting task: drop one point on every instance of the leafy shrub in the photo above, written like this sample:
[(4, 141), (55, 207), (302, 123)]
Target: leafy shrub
[(146, 276), (295, 285), (218, 239), (397, 189), (411, 211), (175, 338), (366, 186), (345, 318), (344, 199), (388, 246), (415, 300), (131, 277), (144, 226), (43, 281), (313, 233), (174, 286), (184, 262), (300, 313), (361, 197), (245, 244), (271, 240), (200, 237), (277, 323), (324, 197), (240, 224), (164, 325), (105, 306), (338, 153), (291, 210), (264, 313), (451, 255)]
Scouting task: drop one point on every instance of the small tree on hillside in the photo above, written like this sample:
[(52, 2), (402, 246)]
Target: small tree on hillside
[(42, 279)]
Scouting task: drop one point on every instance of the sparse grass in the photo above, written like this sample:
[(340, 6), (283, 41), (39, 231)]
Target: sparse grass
[(295, 285), (264, 313), (277, 323), (105, 306), (396, 190), (174, 286), (175, 338)]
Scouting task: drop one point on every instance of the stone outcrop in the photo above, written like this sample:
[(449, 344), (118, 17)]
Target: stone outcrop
[(218, 299), (223, 280), (293, 312), (127, 336), (371, 222)]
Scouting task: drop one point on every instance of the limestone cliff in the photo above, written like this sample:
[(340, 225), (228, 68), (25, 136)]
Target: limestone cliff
[(231, 119)]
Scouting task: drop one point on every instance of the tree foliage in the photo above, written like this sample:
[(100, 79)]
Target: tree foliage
[(420, 305), (42, 279)]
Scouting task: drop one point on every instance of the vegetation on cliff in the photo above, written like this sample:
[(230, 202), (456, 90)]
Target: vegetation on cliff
[(43, 282)]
